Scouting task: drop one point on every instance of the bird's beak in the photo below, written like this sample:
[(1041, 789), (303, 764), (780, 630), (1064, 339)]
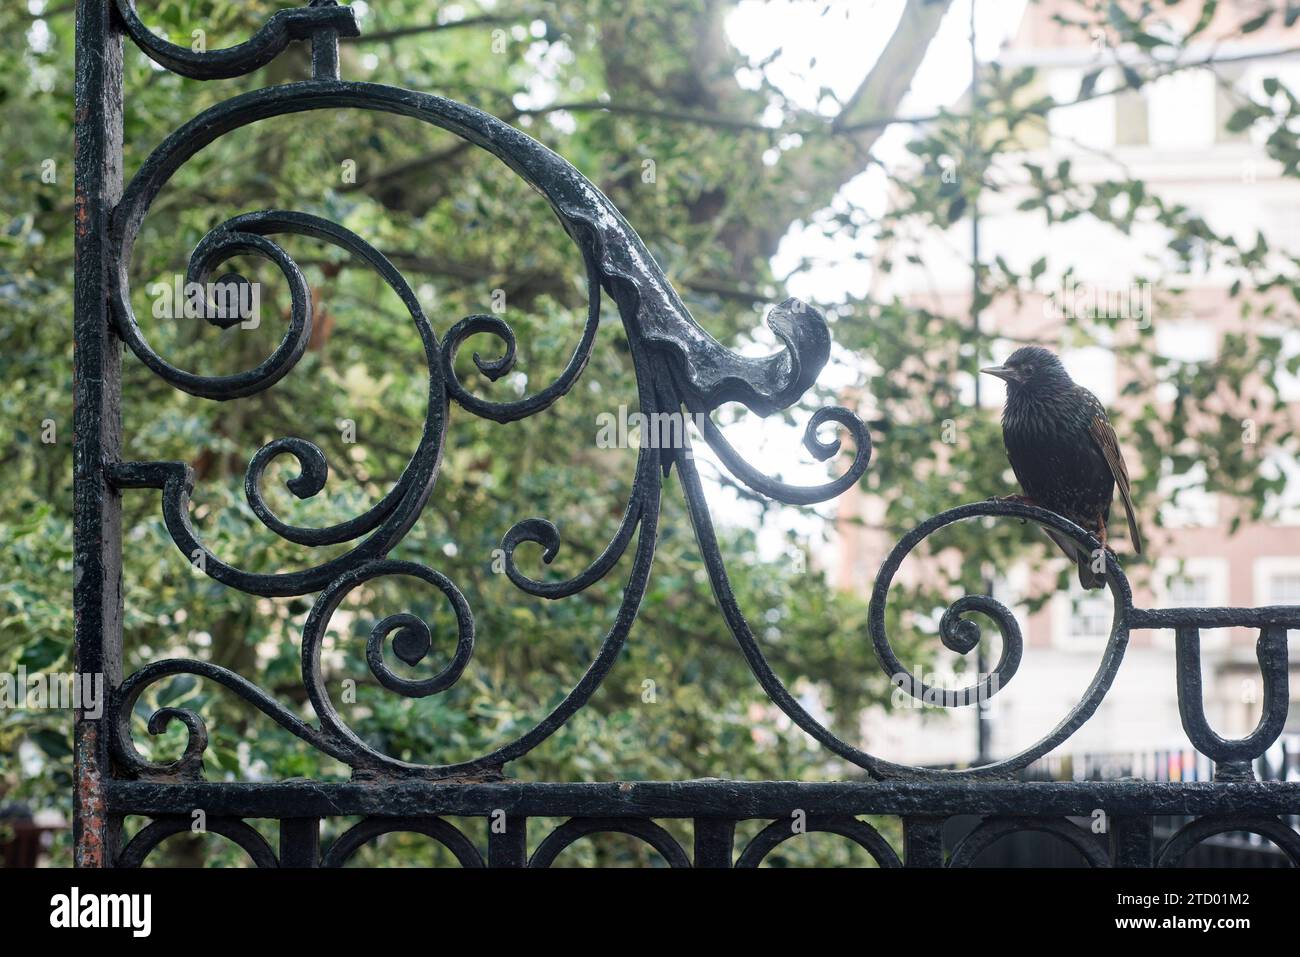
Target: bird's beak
[(1002, 372)]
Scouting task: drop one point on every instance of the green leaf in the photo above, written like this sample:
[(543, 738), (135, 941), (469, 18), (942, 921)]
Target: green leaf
[(1088, 84), (176, 689), (1241, 119), (42, 653), (1255, 23), (1208, 9), (55, 744)]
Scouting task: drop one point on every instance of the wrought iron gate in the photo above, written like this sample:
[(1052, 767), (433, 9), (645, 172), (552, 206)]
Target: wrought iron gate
[(678, 366)]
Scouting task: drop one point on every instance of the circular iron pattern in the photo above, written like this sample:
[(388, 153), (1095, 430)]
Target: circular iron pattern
[(991, 831), (578, 828), (1189, 835), (859, 832), (957, 633), (372, 828), (158, 830)]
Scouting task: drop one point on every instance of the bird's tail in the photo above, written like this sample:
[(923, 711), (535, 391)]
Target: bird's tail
[(1082, 558)]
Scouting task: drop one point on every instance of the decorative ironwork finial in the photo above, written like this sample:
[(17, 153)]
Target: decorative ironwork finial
[(322, 22), (324, 47)]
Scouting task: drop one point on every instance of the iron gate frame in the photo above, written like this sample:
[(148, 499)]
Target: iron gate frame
[(678, 366)]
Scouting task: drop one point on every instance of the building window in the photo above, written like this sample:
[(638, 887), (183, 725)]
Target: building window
[(1190, 591), (1193, 583), (1284, 588), (1185, 341), (1277, 582), (1130, 118), (1180, 110), (1094, 365), (1186, 503), (1084, 617), (1092, 122), (1227, 97), (1282, 507), (1198, 582), (1286, 382)]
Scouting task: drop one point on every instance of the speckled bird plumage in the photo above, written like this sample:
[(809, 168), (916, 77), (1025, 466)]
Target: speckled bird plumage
[(1063, 450)]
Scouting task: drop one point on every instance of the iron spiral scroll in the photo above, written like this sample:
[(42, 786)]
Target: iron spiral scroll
[(678, 366)]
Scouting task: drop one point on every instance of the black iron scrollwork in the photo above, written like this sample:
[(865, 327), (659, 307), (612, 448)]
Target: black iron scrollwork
[(678, 366), (284, 27), (690, 370)]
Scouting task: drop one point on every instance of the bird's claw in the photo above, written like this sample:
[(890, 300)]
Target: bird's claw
[(1015, 499)]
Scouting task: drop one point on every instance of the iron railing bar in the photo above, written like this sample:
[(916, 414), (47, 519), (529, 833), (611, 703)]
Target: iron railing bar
[(731, 800)]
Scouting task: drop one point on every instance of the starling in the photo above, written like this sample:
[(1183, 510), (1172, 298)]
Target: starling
[(1063, 450)]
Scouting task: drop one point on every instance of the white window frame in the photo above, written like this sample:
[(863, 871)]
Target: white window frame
[(1063, 614), (1217, 570), (1285, 505), (1266, 567), (1198, 508), (1092, 121), (1180, 111)]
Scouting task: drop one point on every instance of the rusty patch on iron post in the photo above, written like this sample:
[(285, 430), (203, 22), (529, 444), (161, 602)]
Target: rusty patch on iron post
[(91, 822)]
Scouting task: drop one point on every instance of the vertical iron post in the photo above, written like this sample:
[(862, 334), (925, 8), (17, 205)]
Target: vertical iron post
[(97, 424)]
